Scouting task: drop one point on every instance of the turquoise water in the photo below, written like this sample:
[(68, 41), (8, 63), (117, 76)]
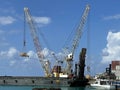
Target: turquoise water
[(31, 87)]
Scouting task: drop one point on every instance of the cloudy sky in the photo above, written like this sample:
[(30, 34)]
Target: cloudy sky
[(55, 21)]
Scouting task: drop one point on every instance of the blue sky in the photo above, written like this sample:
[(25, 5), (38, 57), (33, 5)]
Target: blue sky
[(56, 19)]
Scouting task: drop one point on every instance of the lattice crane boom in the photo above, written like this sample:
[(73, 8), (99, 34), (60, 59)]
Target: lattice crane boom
[(36, 40), (76, 39), (79, 32), (80, 29)]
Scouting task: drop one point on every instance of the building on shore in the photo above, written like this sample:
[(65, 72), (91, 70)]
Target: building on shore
[(112, 71), (115, 68)]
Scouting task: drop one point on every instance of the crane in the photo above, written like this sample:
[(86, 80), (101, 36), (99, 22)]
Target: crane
[(76, 39), (45, 63)]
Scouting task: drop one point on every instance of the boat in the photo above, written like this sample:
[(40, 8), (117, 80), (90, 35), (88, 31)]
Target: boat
[(103, 84)]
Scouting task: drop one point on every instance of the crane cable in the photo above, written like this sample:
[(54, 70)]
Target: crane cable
[(24, 54), (24, 33)]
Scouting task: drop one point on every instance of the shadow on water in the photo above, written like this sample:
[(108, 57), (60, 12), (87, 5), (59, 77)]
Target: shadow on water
[(61, 88), (43, 88), (46, 89)]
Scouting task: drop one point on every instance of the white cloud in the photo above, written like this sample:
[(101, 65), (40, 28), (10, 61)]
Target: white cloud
[(9, 54), (11, 61), (112, 17), (32, 55), (6, 20), (12, 51), (11, 58), (42, 20), (112, 49), (45, 52)]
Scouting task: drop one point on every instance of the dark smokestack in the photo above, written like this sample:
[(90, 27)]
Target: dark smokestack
[(109, 68), (76, 69), (82, 63)]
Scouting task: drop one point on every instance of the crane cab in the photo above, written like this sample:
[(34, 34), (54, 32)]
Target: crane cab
[(69, 57)]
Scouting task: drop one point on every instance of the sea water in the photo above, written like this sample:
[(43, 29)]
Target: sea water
[(31, 88)]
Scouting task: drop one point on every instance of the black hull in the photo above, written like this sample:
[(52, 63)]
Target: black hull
[(41, 81), (79, 83)]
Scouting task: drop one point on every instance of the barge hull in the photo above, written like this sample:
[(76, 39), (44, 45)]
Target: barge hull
[(40, 81)]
